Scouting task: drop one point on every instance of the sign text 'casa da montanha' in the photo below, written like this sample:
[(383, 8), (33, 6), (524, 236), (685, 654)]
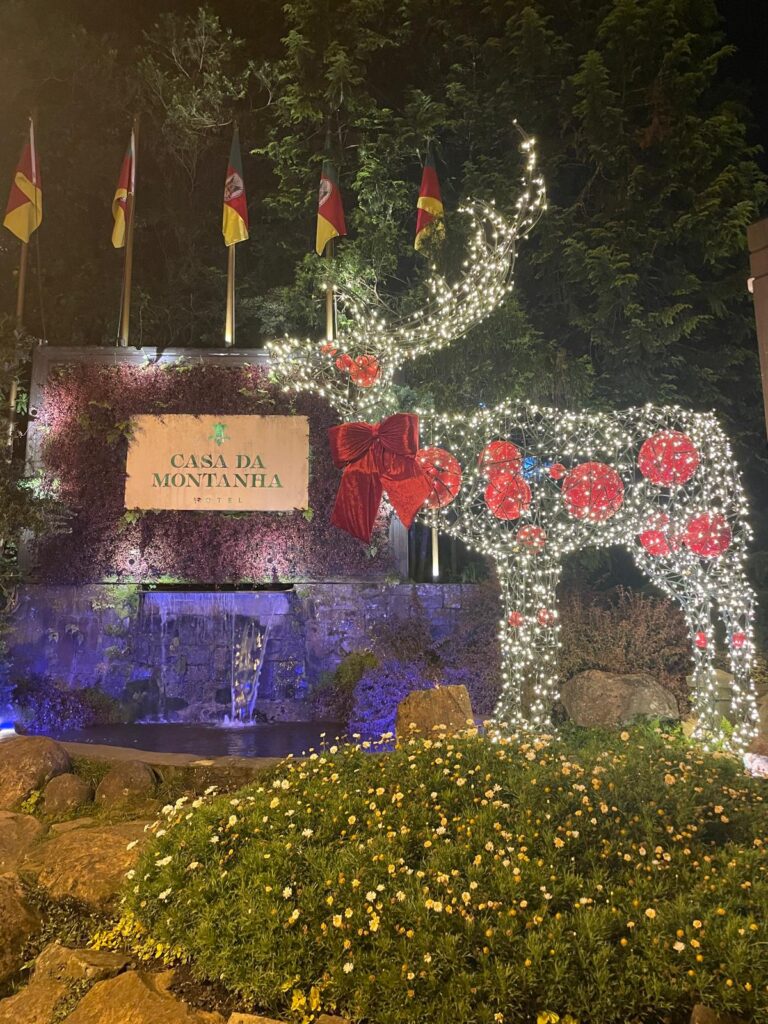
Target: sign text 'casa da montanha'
[(248, 463)]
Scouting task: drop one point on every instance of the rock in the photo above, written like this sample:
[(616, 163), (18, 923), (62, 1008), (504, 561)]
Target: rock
[(86, 864), (60, 827), (126, 785), (18, 922), (703, 1015), (251, 1018), (60, 975), (596, 698), (136, 998), (17, 833), (38, 1003), (444, 709), (26, 764), (324, 1018), (60, 963), (66, 793)]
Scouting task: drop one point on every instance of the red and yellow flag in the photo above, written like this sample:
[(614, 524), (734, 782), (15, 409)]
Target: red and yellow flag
[(330, 212), (126, 185), (234, 225), (430, 216), (24, 212)]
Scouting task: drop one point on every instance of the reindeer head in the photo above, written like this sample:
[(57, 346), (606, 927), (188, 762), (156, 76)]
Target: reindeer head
[(356, 371)]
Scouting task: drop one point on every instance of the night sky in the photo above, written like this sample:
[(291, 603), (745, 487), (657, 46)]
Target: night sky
[(746, 25)]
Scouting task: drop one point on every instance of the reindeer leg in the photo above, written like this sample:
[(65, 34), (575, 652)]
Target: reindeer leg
[(529, 640), (735, 606), (697, 603)]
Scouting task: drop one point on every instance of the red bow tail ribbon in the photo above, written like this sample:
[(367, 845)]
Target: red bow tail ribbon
[(377, 457)]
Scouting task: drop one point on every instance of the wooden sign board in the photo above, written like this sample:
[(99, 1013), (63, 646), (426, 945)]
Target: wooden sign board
[(232, 463)]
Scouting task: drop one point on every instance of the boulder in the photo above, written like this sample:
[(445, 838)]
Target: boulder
[(26, 764), (18, 922), (17, 833), (66, 793), (59, 977), (136, 998), (86, 864), (596, 698), (126, 785), (444, 709)]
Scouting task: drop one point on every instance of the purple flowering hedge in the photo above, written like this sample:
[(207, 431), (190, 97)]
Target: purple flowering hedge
[(85, 416)]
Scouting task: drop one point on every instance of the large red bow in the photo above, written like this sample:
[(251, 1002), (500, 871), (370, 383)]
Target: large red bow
[(377, 457)]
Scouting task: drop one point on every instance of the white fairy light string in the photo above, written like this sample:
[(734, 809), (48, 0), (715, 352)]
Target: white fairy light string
[(525, 486)]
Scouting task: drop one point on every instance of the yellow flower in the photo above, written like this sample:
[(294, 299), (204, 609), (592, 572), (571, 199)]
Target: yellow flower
[(650, 913), (337, 920), (624, 736), (547, 1017)]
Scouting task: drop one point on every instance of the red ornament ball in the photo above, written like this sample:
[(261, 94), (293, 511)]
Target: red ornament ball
[(500, 458), (364, 371), (593, 491), (700, 640), (508, 497), (655, 543), (668, 458), (557, 471), (444, 473), (708, 535), (516, 619), (738, 640), (532, 537), (545, 617), (344, 361)]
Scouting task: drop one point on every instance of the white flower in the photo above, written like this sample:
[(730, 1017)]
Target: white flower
[(287, 892), (193, 866), (232, 820), (308, 832), (134, 842), (349, 967), (679, 947), (162, 863), (164, 894)]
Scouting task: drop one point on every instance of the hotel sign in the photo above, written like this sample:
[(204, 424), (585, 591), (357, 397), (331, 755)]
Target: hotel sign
[(235, 463)]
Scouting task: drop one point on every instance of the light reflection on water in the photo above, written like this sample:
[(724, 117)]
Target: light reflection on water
[(270, 739)]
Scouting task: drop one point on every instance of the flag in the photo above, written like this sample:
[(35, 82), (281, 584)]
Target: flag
[(24, 212), (234, 225), (126, 185), (430, 212), (330, 212)]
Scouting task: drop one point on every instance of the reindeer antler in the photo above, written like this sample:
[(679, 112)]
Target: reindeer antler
[(356, 372)]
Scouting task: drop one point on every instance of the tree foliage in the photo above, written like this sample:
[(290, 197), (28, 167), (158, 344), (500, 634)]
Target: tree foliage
[(631, 289)]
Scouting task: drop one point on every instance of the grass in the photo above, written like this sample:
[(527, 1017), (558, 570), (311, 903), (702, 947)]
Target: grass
[(598, 877)]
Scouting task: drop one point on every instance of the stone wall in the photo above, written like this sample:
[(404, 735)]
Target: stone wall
[(173, 653)]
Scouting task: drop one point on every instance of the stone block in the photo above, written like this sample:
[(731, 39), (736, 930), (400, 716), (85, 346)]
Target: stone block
[(442, 710)]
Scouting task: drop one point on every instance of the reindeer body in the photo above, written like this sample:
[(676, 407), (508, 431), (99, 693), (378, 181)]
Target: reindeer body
[(526, 486)]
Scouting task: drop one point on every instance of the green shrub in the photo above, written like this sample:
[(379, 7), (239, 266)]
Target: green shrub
[(612, 878), (624, 631), (334, 697)]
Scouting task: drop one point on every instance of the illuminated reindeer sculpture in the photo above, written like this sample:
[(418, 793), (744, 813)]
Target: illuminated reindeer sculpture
[(525, 485)]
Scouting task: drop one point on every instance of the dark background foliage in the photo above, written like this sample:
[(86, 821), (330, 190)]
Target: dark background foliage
[(86, 413), (632, 288)]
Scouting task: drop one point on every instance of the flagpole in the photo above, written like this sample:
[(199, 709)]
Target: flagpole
[(330, 317), (130, 205), (229, 327)]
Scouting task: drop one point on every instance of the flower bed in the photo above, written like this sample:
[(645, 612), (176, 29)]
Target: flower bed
[(86, 413), (610, 878)]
